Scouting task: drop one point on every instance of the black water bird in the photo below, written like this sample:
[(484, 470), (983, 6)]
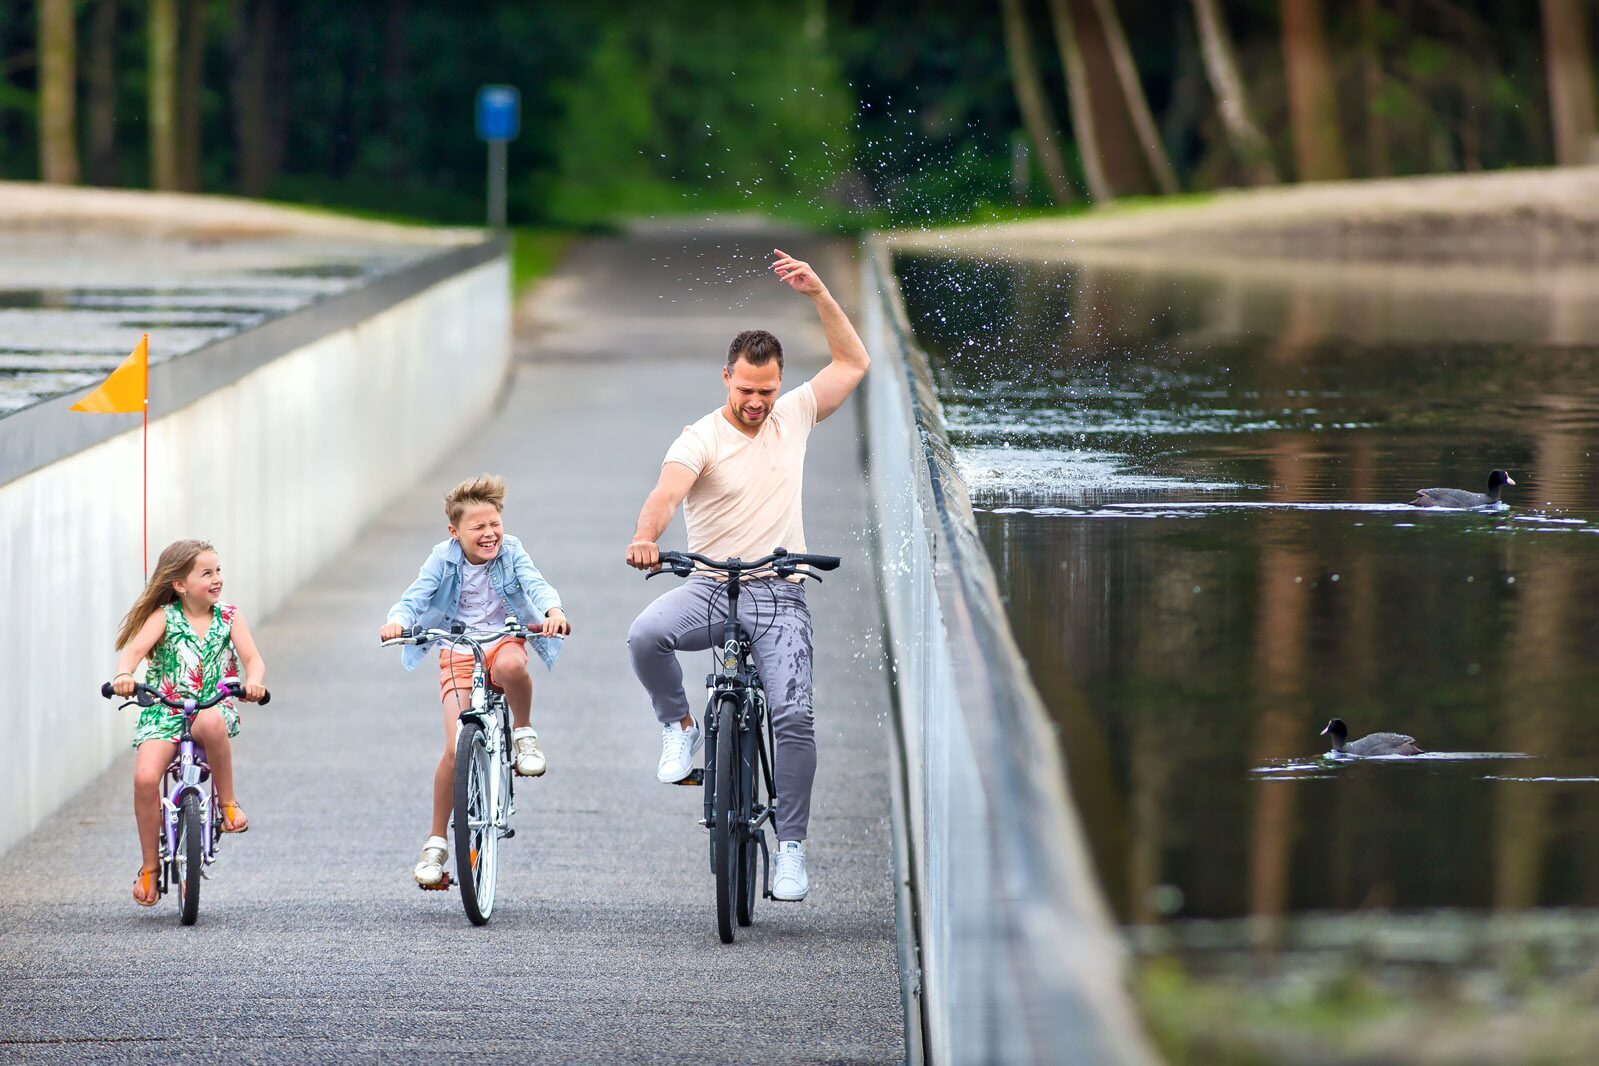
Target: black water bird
[(1461, 498), (1371, 744)]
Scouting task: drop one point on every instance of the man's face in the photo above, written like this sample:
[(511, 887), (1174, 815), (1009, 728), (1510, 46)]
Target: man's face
[(751, 391)]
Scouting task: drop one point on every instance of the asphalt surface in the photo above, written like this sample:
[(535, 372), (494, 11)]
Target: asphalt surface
[(314, 943)]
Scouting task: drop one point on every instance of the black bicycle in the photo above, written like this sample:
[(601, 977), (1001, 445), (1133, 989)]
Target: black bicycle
[(738, 738)]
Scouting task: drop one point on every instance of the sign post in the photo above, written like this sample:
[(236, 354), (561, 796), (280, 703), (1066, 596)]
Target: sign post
[(499, 113)]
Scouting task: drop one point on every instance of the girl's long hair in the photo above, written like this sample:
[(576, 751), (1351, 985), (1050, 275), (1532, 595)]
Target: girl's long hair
[(174, 564)]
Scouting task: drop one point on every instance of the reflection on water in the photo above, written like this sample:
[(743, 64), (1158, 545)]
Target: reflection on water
[(1192, 482)]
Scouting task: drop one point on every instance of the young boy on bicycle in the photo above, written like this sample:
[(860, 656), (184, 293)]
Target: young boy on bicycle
[(478, 578)]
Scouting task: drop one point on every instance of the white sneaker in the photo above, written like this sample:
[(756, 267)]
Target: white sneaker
[(430, 871), (789, 882), (678, 746), (525, 745)]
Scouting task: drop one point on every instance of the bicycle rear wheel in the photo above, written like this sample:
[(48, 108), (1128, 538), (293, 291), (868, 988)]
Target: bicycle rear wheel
[(477, 839), (725, 841), (190, 859)]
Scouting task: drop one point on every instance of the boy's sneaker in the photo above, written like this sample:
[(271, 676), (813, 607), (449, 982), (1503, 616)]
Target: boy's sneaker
[(525, 746), (789, 882), (678, 746), (429, 872)]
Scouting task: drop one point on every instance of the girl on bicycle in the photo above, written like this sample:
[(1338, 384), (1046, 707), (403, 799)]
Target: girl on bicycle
[(479, 578), (193, 641)]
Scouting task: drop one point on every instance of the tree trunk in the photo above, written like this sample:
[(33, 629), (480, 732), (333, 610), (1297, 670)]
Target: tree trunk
[(100, 81), (1037, 115), (58, 104), (1227, 84), (1137, 105), (252, 50), (396, 79), (162, 76), (1312, 103), (1113, 163), (1378, 162), (191, 79), (1571, 86)]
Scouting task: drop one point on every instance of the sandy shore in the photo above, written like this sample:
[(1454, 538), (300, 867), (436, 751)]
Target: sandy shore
[(1513, 215), (33, 206)]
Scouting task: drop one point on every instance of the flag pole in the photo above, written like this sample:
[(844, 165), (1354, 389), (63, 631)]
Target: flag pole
[(146, 463)]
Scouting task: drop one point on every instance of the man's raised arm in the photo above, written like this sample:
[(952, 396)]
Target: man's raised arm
[(838, 379), (644, 552)]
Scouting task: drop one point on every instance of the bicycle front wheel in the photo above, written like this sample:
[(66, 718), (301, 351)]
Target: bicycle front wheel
[(749, 858), (477, 838), (190, 859), (725, 840)]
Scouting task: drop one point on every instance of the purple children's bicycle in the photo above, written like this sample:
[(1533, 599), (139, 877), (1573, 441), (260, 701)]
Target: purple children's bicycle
[(191, 818)]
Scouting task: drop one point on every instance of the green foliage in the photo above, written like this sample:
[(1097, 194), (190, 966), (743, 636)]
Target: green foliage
[(673, 112), (838, 112), (534, 253)]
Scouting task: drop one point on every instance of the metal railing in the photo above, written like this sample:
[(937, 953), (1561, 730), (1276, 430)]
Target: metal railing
[(1017, 959)]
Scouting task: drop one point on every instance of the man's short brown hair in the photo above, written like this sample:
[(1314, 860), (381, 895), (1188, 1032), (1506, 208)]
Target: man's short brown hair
[(756, 347)]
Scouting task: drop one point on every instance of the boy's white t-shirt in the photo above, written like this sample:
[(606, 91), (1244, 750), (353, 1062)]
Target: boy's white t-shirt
[(746, 499), (480, 606)]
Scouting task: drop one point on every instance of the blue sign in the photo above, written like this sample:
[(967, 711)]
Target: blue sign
[(499, 112)]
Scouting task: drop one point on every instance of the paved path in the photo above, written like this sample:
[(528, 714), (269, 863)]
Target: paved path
[(313, 943)]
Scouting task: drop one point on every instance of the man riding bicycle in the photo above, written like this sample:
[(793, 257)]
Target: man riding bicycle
[(738, 472)]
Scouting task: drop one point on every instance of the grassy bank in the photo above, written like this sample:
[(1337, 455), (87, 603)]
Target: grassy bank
[(1447, 987)]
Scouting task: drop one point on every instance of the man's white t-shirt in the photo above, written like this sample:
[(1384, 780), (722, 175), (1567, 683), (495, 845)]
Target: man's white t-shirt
[(746, 498)]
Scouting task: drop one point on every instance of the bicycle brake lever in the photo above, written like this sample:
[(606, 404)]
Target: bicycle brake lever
[(787, 573)]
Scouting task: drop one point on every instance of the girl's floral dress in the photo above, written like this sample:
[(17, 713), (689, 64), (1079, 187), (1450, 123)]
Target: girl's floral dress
[(182, 665)]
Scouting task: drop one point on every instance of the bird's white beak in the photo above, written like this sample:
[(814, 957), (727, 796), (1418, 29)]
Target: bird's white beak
[(1324, 730), (1509, 480)]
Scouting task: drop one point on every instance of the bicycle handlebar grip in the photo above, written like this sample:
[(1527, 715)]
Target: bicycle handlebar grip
[(266, 698), (105, 690), (823, 562)]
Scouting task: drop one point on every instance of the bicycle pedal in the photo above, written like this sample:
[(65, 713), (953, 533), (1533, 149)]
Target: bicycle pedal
[(695, 778), (442, 886)]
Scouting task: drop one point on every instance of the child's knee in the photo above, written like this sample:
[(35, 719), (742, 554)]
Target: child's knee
[(147, 781), (511, 669), (210, 728)]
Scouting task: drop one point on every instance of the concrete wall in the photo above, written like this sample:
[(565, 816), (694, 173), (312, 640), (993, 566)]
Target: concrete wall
[(1017, 958), (288, 439)]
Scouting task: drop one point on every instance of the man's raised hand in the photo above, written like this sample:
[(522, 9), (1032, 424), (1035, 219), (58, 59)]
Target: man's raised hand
[(799, 275)]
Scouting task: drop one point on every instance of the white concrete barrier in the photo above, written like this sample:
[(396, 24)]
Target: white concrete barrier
[(1017, 959), (276, 445)]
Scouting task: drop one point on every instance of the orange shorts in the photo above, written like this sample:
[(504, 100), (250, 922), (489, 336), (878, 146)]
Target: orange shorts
[(455, 667)]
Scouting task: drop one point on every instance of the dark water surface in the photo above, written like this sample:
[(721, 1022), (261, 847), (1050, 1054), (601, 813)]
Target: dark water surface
[(1192, 487)]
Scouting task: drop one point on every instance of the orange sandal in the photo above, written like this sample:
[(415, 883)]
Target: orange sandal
[(233, 819), (144, 890)]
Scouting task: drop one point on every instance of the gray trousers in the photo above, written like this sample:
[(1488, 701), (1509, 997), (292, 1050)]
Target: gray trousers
[(689, 618)]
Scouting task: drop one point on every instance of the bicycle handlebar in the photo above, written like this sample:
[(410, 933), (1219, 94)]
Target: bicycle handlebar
[(460, 635), (782, 561), (146, 696)]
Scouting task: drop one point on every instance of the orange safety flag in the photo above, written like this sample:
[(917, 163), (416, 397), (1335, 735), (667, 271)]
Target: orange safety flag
[(127, 389)]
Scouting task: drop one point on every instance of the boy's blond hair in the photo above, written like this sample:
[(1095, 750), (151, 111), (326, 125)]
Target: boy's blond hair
[(474, 492)]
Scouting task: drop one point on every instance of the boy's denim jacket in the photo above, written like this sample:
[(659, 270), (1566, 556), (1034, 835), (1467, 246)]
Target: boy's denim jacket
[(435, 596)]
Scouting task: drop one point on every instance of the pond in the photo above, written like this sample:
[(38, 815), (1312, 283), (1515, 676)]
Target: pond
[(1192, 480)]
